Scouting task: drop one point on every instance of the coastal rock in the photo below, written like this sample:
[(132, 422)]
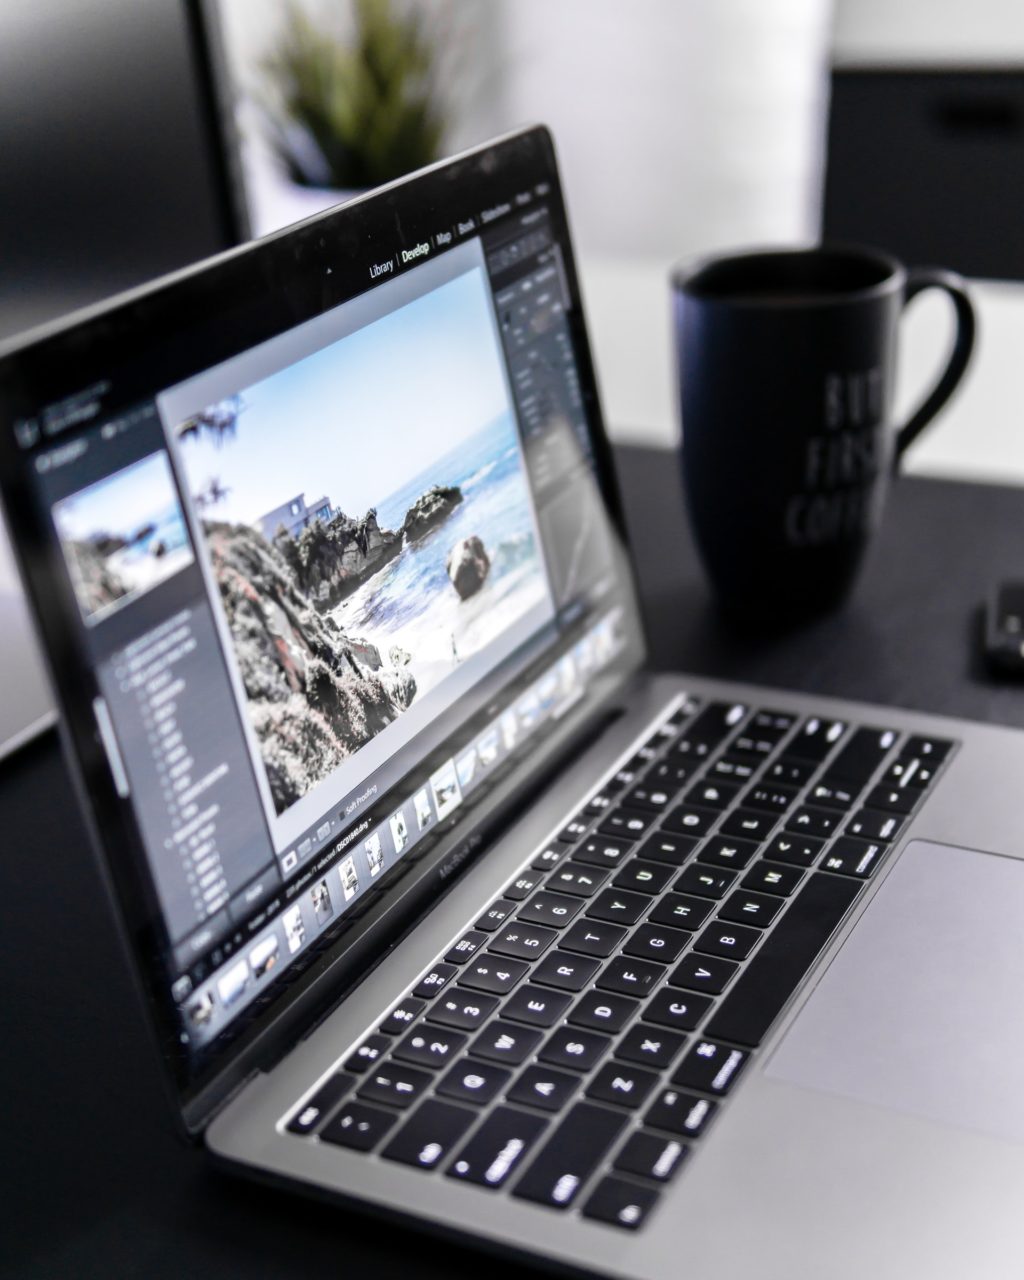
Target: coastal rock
[(429, 510), (468, 565), (314, 694), (331, 560), (97, 584)]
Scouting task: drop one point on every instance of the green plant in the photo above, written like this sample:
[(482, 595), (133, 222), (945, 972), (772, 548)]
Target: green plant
[(355, 115)]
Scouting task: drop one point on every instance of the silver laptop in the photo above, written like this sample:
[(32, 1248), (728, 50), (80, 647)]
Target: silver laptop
[(438, 903)]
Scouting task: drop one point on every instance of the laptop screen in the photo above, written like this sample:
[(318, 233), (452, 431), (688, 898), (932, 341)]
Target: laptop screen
[(318, 567)]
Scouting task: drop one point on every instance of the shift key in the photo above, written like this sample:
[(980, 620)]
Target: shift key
[(763, 989)]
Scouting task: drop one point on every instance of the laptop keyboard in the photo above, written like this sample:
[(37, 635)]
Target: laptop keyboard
[(575, 1044)]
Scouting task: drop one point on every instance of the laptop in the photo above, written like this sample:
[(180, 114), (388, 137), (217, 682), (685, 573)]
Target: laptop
[(439, 904)]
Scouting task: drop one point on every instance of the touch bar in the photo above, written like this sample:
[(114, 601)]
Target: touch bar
[(760, 993)]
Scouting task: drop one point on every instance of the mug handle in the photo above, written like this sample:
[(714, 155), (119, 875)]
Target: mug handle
[(949, 282)]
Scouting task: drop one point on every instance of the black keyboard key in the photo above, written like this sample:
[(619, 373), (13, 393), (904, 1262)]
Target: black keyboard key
[(317, 1108), (603, 1011), (677, 1010), (549, 908), (770, 797), (630, 977), (522, 886), (565, 971), (593, 937), (474, 1081), (746, 907), (468, 945), (649, 1155), (705, 882), (428, 1046), (650, 1046), (402, 1016), (666, 846), (789, 771), (655, 942), (574, 830), (861, 755), (755, 745), (550, 857), (726, 851), (599, 803), (574, 1048), (819, 823), (627, 824), (602, 851), (544, 1087), (833, 795), (733, 941), (815, 739), (493, 974), (691, 820), (648, 795), (711, 794), (678, 1111), (738, 769), (852, 857), (429, 1134), (644, 877), (891, 799), (669, 776), (370, 1051), (537, 1006), (621, 1203), (496, 915), (682, 911), (703, 973), (769, 877), (505, 1043), (749, 824), (874, 824), (774, 722), (628, 1086), (765, 986), (618, 907), (710, 1068), (434, 981), (465, 1010), (578, 880), (358, 1126), (523, 941), (796, 850), (910, 772), (933, 750), (715, 722), (570, 1155), (395, 1084), (498, 1147)]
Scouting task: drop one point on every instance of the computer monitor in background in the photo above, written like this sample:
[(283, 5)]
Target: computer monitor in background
[(117, 167)]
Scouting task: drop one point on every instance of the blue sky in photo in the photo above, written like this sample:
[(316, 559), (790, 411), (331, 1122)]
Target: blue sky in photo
[(359, 419), (121, 504)]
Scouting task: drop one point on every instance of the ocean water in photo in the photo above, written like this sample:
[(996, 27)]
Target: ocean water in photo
[(411, 604)]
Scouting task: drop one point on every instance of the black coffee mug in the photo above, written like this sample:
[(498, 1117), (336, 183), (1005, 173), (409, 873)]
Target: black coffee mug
[(786, 364)]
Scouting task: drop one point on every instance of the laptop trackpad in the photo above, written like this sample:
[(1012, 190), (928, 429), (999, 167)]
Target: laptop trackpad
[(920, 1010)]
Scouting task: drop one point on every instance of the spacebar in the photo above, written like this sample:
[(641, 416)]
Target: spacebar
[(788, 952)]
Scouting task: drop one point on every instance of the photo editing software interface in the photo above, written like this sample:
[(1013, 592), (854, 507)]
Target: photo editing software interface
[(290, 568)]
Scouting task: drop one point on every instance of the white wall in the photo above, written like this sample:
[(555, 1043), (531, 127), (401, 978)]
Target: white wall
[(683, 125), (907, 32)]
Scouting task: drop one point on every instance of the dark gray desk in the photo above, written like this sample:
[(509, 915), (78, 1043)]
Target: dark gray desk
[(95, 1182)]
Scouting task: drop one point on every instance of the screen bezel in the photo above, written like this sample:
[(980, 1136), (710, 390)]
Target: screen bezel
[(222, 306)]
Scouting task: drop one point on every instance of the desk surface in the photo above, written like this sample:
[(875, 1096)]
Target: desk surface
[(96, 1184)]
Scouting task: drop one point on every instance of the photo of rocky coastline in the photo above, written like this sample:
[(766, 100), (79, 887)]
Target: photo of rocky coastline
[(346, 609), (122, 536)]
